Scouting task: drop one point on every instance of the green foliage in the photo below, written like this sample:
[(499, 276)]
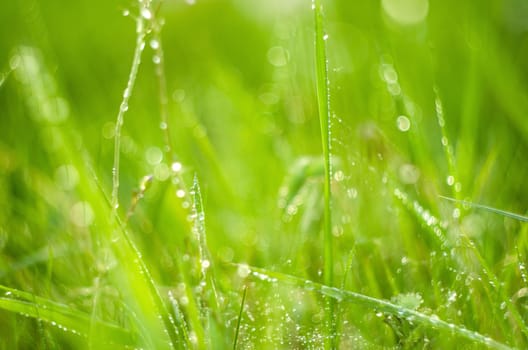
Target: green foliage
[(367, 156)]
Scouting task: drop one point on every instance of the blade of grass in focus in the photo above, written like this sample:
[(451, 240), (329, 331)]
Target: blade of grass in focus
[(323, 103)]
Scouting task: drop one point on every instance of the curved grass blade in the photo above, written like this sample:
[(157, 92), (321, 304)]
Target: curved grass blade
[(379, 305), (61, 316), (490, 209)]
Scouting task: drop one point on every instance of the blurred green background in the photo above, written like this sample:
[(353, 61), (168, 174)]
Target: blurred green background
[(243, 117)]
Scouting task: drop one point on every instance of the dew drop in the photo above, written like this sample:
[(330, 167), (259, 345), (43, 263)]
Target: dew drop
[(154, 44), (146, 14), (352, 193), (403, 123), (176, 167), (406, 12), (161, 172), (243, 271), (82, 214), (66, 177), (153, 155), (278, 56), (339, 175), (205, 264)]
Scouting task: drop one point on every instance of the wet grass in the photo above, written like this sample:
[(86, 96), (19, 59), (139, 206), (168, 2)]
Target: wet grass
[(279, 175)]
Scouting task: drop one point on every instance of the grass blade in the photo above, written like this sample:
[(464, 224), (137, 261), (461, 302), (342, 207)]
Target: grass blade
[(239, 318), (323, 102), (379, 305), (490, 209), (61, 316)]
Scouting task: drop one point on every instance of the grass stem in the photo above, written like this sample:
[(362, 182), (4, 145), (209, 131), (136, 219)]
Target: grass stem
[(323, 102)]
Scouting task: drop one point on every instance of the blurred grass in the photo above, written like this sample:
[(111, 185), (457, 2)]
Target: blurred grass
[(243, 116)]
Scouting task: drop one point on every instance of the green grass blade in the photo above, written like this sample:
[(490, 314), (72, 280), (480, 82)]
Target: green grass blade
[(239, 319), (62, 316), (123, 107), (378, 305), (323, 102), (490, 209)]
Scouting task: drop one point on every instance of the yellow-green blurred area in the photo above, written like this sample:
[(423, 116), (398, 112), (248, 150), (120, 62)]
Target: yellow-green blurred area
[(427, 99)]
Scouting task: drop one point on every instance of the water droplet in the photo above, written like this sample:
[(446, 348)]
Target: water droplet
[(124, 107), (176, 167), (337, 231), (352, 193), (154, 44), (243, 271), (82, 214), (146, 14), (178, 95), (409, 174), (153, 155), (452, 296), (125, 12), (108, 130), (450, 180), (406, 12), (180, 193), (66, 177), (278, 56), (325, 37), (156, 59), (205, 264), (403, 123), (339, 175), (444, 141), (163, 126), (161, 172), (388, 73)]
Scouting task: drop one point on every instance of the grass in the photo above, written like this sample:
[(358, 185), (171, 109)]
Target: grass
[(342, 175)]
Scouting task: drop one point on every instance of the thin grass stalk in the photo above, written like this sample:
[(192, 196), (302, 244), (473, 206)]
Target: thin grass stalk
[(447, 147), (123, 107), (239, 319), (159, 61), (323, 102)]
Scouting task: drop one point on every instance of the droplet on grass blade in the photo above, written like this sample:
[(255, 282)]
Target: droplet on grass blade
[(82, 214), (146, 14), (403, 123), (153, 155), (66, 177), (278, 56), (406, 12)]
